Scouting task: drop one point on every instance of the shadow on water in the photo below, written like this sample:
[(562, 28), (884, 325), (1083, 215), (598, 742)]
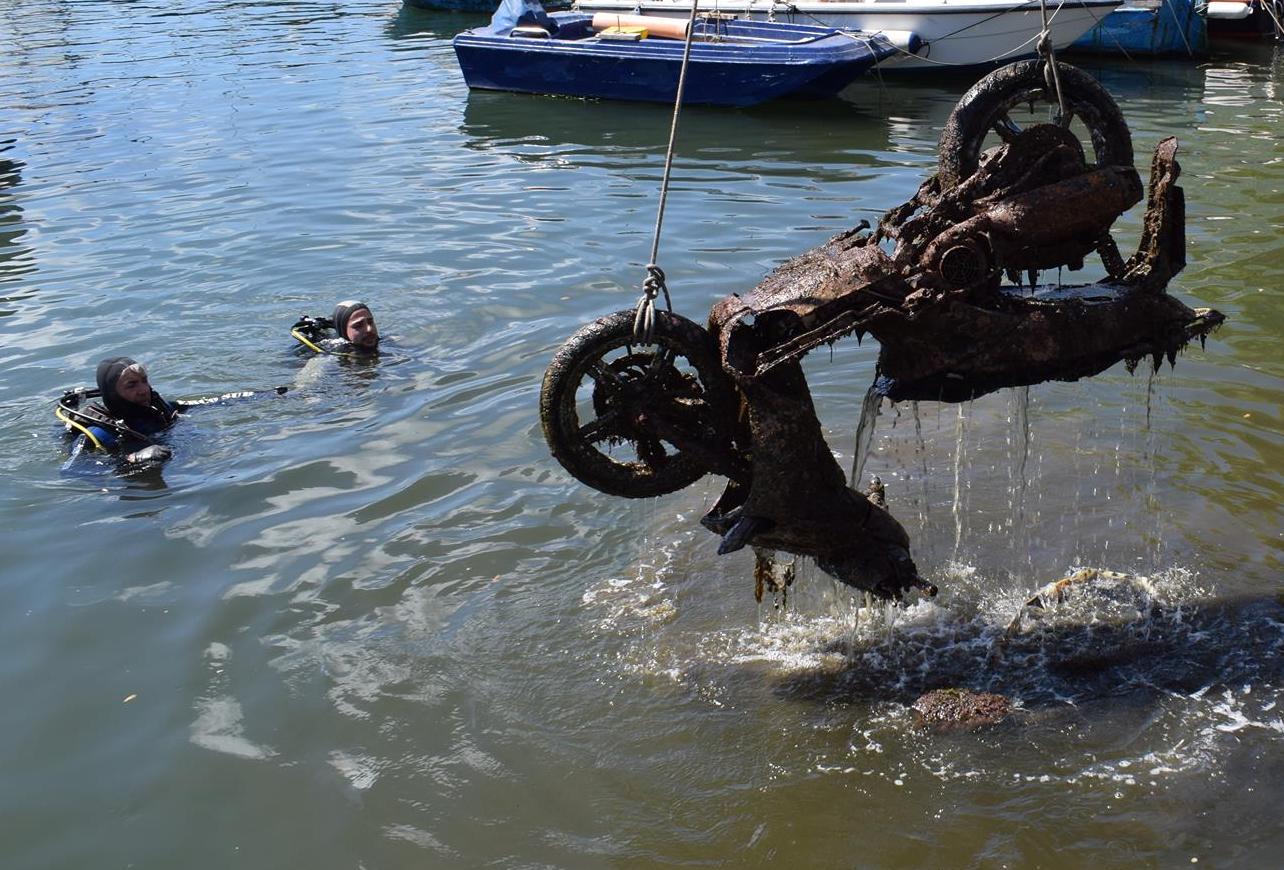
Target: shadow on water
[(1111, 646), (774, 137), (1126, 81), (410, 22), (15, 258), (10, 168), (143, 484)]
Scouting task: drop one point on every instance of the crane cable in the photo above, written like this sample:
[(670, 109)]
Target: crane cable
[(1050, 75), (654, 283)]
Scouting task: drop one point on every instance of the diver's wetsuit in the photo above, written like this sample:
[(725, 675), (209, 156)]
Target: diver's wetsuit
[(109, 439), (328, 335), (146, 421), (342, 345)]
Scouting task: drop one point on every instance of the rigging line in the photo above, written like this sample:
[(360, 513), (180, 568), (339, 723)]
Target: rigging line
[(1279, 26), (1114, 39), (673, 132), (654, 284), (793, 9), (1181, 28), (999, 14), (866, 39), (1003, 12)]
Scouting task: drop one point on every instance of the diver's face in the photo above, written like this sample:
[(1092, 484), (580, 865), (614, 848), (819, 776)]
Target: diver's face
[(362, 331), (133, 387)]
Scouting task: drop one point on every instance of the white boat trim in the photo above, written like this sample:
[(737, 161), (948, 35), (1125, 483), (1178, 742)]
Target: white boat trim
[(956, 33)]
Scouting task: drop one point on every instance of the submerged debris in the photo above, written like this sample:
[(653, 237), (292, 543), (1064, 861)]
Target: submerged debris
[(1134, 593), (771, 576), (946, 709)]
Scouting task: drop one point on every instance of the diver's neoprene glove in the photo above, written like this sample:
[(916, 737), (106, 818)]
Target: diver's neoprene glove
[(151, 453)]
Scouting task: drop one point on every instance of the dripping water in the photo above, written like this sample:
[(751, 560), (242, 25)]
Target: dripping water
[(864, 434), (1019, 482), (1150, 458), (920, 446), (956, 507)]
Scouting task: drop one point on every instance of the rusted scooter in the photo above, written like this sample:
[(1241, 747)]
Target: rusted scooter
[(638, 419)]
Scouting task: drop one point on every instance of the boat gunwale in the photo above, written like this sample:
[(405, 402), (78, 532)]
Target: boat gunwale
[(866, 7), (821, 44), (670, 51)]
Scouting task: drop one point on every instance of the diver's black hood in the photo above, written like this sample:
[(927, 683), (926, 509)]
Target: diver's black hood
[(343, 313), (109, 372), (158, 415)]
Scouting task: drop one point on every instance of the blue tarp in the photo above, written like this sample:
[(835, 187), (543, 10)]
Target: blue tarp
[(511, 13)]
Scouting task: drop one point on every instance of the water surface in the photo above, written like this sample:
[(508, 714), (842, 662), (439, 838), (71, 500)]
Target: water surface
[(371, 623)]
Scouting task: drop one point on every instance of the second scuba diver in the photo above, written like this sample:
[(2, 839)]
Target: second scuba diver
[(127, 417), (350, 330)]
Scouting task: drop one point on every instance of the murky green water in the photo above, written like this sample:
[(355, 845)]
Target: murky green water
[(372, 624)]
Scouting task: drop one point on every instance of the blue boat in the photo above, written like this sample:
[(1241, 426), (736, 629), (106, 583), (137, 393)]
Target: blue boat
[(733, 62), (1150, 28)]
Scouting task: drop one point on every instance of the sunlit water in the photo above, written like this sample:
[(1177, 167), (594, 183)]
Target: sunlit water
[(371, 623)]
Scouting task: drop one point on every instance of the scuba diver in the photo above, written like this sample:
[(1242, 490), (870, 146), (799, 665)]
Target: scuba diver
[(349, 331), (127, 417)]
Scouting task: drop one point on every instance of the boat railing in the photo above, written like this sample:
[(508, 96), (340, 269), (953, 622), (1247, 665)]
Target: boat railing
[(530, 31)]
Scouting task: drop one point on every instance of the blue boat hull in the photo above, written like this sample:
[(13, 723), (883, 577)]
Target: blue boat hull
[(771, 61), (1172, 28)]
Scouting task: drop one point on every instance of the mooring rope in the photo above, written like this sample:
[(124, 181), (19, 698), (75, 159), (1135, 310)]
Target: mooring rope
[(1118, 45), (654, 283), (1181, 25), (1268, 6)]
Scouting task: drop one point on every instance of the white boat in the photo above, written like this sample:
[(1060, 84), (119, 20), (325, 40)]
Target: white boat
[(954, 33)]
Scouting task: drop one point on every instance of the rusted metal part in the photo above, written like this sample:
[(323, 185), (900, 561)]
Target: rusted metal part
[(1161, 253), (1044, 228), (956, 351), (954, 340), (798, 500), (816, 297), (947, 330)]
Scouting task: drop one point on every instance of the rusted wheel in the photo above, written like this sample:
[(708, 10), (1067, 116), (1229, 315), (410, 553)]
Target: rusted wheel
[(633, 420), (1015, 96)]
